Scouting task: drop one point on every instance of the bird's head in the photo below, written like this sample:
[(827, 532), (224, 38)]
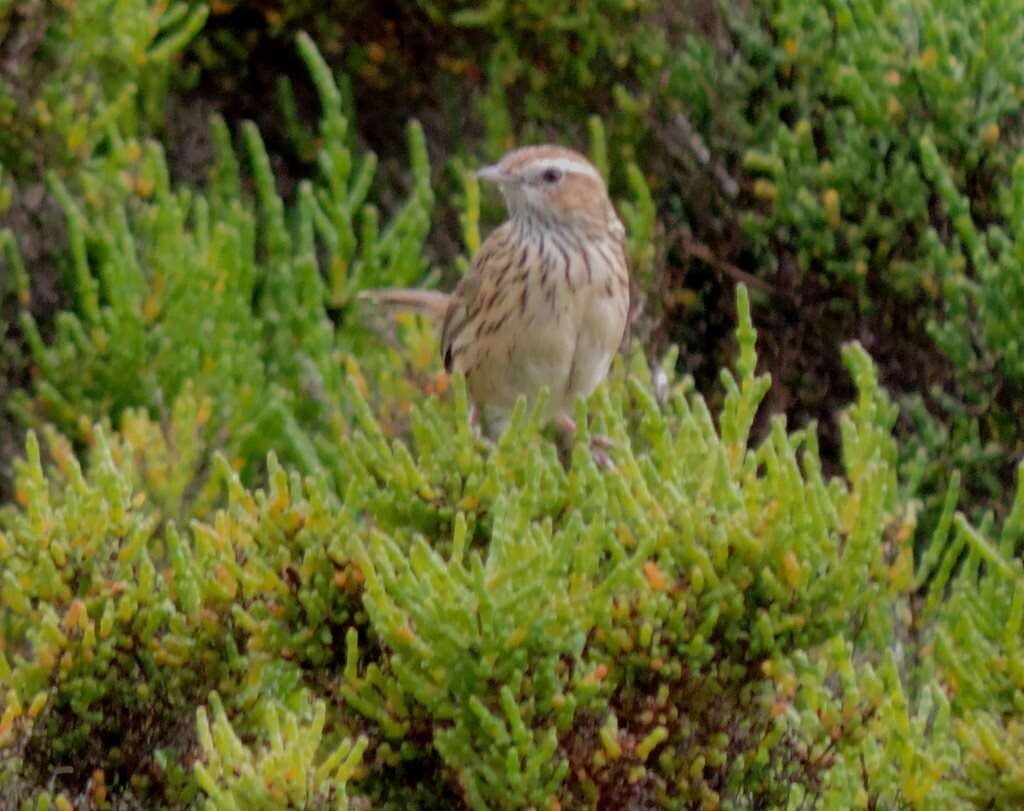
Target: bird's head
[(553, 187)]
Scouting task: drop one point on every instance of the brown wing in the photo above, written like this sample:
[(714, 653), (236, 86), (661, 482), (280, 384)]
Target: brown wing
[(475, 293), (632, 305)]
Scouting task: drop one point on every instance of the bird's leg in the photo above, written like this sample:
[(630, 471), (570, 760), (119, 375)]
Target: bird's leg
[(474, 420), (566, 424), (599, 445)]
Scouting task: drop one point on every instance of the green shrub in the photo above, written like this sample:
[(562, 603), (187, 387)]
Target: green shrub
[(866, 138), (711, 623), (977, 325), (75, 70), (96, 633), (249, 303), (174, 288), (116, 625), (265, 562), (14, 293), (833, 100), (285, 774), (980, 273), (977, 647)]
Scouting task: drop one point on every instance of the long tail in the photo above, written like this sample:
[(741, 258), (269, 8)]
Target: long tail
[(422, 302)]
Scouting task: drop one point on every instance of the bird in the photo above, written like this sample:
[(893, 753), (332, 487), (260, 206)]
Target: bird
[(546, 300)]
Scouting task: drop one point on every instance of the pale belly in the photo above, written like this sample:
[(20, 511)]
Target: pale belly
[(600, 333), (568, 348)]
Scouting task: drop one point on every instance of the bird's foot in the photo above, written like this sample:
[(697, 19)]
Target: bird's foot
[(600, 445)]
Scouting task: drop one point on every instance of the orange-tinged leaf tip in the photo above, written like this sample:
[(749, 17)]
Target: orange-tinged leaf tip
[(404, 633), (74, 615), (655, 577)]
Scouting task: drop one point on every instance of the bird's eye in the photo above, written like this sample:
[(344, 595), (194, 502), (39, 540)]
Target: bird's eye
[(551, 175)]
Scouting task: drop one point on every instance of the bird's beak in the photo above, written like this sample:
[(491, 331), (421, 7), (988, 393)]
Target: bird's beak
[(492, 174)]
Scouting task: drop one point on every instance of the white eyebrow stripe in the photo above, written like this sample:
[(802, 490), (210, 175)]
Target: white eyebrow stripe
[(570, 165)]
